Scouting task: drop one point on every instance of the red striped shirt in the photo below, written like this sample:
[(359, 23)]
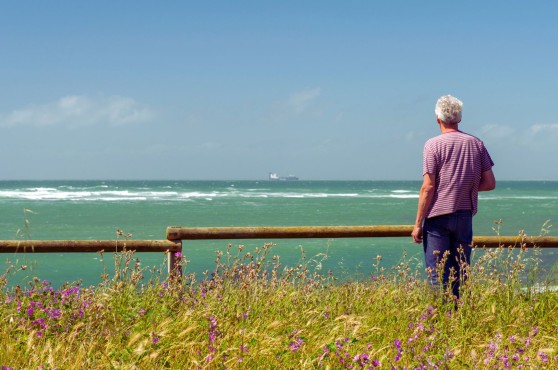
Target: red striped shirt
[(458, 160)]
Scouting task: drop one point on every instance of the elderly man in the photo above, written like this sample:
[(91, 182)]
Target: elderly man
[(456, 166)]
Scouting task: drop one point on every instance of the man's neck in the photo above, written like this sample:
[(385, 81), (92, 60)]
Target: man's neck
[(448, 129)]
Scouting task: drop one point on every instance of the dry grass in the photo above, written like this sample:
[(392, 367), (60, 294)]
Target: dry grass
[(253, 313)]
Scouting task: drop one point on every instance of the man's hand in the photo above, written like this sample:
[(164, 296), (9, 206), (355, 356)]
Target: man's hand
[(417, 234)]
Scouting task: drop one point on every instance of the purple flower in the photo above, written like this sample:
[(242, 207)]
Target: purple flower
[(178, 255), (295, 344), (155, 339), (504, 360), (543, 356), (53, 313), (212, 329)]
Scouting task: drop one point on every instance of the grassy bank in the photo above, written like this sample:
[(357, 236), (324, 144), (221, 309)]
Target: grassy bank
[(253, 313)]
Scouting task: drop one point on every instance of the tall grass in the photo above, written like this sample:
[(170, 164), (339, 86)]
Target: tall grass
[(251, 312)]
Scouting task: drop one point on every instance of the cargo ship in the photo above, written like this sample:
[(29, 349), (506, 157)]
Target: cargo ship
[(274, 177)]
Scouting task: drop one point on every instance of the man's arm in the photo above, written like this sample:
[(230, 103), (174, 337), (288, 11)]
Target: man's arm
[(425, 200), (488, 181)]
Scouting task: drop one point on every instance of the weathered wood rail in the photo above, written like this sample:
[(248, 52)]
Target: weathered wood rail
[(84, 246), (176, 234), (280, 232)]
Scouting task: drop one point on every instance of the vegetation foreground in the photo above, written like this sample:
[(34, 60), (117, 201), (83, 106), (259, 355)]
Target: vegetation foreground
[(253, 313)]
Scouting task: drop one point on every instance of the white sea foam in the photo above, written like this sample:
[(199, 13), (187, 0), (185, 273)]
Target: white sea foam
[(404, 196), (114, 194)]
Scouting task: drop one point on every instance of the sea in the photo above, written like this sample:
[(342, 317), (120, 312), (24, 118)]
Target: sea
[(94, 210)]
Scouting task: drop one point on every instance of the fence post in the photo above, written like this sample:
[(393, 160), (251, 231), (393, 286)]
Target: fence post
[(175, 260)]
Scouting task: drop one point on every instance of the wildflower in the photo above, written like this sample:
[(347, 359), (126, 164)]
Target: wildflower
[(212, 328), (504, 360), (543, 356), (295, 344), (397, 344), (154, 338), (178, 255), (53, 313)]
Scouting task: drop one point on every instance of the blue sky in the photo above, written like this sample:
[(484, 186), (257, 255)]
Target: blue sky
[(236, 89)]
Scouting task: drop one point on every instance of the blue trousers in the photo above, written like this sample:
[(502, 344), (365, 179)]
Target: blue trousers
[(451, 234)]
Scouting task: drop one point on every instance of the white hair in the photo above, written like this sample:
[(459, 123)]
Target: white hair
[(448, 109)]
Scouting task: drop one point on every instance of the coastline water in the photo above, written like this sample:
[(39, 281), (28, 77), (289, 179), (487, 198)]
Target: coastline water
[(96, 209)]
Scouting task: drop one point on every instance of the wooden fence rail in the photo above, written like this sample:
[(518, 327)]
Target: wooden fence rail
[(81, 246), (280, 232), (176, 234)]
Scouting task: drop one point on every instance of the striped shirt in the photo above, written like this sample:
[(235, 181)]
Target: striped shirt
[(458, 160)]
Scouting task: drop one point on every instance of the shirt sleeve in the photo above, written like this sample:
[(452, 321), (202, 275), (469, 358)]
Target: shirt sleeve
[(429, 163), (486, 160)]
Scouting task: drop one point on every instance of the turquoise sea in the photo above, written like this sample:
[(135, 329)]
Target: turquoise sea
[(96, 209)]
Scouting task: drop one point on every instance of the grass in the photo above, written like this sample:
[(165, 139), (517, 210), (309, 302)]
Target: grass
[(251, 312)]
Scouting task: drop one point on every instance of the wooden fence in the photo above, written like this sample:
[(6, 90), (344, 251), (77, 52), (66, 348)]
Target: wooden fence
[(176, 234)]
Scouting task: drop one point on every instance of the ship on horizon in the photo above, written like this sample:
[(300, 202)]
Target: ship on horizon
[(274, 177)]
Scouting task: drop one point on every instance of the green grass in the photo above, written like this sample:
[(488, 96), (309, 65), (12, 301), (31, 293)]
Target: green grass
[(253, 313)]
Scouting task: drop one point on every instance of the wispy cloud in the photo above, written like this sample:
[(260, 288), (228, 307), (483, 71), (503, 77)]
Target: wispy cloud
[(545, 128), (497, 132), (79, 110), (299, 101)]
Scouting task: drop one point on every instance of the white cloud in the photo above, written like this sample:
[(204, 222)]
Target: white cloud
[(545, 128), (79, 110), (299, 101), (497, 132)]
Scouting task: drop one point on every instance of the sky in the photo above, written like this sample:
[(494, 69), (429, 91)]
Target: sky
[(233, 90)]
